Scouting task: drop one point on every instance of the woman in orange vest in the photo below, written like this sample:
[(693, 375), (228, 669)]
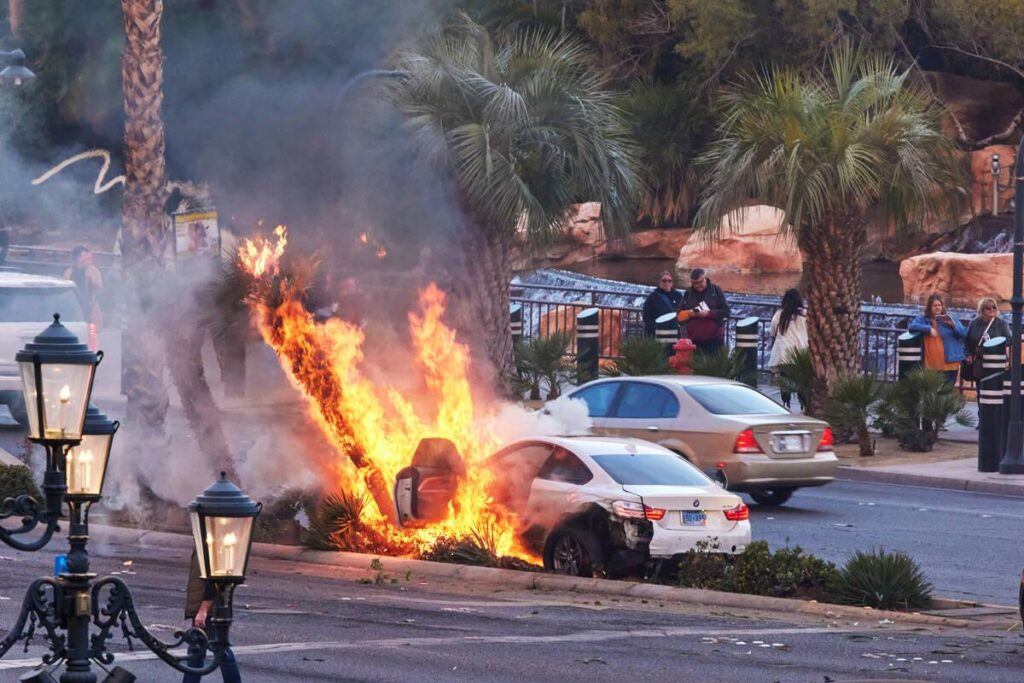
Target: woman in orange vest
[(943, 338)]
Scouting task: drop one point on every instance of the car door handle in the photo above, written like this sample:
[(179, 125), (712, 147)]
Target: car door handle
[(652, 428)]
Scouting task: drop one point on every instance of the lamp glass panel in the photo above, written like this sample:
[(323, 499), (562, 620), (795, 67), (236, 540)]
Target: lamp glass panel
[(197, 538), (65, 398), (28, 387), (227, 539), (86, 463)]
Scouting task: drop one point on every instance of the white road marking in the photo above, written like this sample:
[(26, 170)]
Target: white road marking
[(578, 637)]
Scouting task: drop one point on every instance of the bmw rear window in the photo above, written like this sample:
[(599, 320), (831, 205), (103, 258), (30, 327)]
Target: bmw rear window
[(38, 304), (651, 469), (733, 399)]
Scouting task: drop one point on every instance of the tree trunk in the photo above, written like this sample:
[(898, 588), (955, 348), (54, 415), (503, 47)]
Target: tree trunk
[(867, 448), (150, 334), (143, 224), (15, 12), (183, 337), (485, 288), (832, 275)]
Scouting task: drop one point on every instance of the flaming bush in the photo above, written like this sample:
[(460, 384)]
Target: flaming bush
[(375, 429)]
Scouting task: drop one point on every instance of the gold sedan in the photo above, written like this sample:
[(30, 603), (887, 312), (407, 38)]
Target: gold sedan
[(717, 424)]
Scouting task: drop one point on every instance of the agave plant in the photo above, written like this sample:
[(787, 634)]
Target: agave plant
[(851, 407), (918, 406), (884, 581), (336, 524), (542, 361), (796, 375), (640, 356), (713, 364)]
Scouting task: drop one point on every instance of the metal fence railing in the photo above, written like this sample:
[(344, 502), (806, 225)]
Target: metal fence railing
[(878, 331)]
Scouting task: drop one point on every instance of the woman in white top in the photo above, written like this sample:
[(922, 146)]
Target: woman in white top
[(789, 329)]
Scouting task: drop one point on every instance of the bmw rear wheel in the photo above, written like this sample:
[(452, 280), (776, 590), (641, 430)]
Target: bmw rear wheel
[(574, 552)]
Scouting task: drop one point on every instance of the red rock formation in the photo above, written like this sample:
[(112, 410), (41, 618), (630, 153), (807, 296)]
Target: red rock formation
[(751, 241), (962, 277)]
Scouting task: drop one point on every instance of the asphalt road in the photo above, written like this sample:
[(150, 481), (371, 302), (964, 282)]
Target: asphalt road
[(970, 545), (315, 623)]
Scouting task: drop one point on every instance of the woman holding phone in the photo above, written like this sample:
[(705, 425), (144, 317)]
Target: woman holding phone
[(943, 338)]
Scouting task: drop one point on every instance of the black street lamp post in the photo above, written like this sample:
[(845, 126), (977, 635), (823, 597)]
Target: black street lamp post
[(57, 373), (1013, 457)]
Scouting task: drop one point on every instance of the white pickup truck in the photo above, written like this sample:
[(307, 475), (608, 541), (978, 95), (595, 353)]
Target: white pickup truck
[(27, 305)]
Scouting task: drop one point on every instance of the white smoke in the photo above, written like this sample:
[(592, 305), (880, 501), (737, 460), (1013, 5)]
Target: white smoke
[(562, 417)]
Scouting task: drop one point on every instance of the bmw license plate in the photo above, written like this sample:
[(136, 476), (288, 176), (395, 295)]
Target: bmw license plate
[(694, 518), (790, 443)]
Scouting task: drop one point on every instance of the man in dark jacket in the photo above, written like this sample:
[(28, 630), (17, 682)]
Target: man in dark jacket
[(198, 601), (709, 312), (664, 299)]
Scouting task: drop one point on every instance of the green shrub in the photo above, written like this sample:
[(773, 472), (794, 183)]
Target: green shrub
[(540, 362), (758, 571), (704, 567), (640, 356), (17, 480), (721, 363), (915, 408), (884, 581), (852, 405), (796, 375)]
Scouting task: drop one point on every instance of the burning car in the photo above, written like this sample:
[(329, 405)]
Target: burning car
[(588, 505)]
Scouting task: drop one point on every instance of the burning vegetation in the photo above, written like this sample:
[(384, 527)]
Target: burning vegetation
[(374, 428)]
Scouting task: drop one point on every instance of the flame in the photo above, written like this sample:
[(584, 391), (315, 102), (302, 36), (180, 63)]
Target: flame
[(374, 428), (364, 238), (381, 252)]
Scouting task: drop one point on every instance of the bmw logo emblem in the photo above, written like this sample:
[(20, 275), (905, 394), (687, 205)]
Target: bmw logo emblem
[(696, 503)]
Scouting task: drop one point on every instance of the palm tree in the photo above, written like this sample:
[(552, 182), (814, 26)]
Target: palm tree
[(142, 216), (163, 326), (852, 143), (523, 126)]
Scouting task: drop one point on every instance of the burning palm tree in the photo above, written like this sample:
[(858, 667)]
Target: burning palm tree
[(524, 127)]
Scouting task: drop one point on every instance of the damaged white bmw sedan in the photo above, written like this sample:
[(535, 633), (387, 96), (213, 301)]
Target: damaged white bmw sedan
[(594, 506)]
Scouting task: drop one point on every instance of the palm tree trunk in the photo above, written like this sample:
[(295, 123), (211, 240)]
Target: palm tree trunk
[(184, 344), (832, 275), (154, 333), (144, 231), (488, 265)]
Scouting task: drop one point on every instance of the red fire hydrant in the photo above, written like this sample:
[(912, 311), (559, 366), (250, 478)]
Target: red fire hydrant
[(680, 362)]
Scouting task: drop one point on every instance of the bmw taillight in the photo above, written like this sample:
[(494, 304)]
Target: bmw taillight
[(738, 513), (827, 440), (631, 510), (746, 442)]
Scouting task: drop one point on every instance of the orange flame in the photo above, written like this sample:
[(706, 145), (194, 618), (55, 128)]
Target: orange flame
[(376, 426)]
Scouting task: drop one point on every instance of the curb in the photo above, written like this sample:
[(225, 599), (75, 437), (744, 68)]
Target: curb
[(511, 578), (866, 474)]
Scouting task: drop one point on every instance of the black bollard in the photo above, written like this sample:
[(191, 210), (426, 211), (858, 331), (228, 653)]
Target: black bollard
[(909, 353), (587, 343), (990, 405), (748, 334), (515, 315), (666, 331)]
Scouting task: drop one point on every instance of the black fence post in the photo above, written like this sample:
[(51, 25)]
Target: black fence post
[(666, 331), (909, 353), (515, 315), (990, 405), (587, 343), (748, 334)]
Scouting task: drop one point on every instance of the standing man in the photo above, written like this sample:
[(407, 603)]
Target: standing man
[(88, 284), (709, 312), (664, 299), (199, 596)]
